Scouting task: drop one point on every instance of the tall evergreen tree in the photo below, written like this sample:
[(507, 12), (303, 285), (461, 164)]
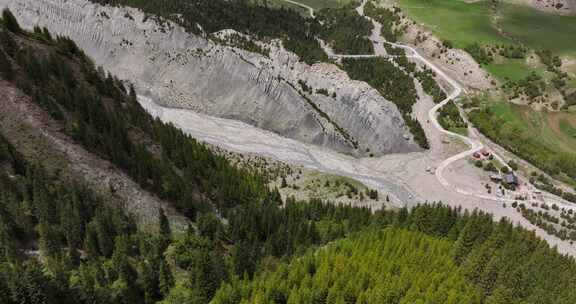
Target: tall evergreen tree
[(6, 69), (165, 230), (10, 21)]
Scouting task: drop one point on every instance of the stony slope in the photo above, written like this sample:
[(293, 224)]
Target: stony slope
[(178, 69), (39, 138), (560, 7)]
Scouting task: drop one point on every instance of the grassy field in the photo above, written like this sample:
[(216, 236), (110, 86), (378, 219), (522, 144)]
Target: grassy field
[(549, 128), (512, 69), (464, 23), (568, 128), (457, 21), (324, 186), (546, 139), (539, 30), (572, 82)]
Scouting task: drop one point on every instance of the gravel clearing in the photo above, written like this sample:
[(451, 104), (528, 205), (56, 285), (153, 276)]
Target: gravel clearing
[(403, 176), (241, 137)]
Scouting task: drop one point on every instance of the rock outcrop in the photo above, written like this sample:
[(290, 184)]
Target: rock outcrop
[(179, 69)]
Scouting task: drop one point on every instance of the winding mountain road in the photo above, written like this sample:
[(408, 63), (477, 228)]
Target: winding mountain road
[(401, 177), (474, 144)]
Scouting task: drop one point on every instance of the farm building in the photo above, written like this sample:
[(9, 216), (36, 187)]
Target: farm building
[(511, 179), (496, 178)]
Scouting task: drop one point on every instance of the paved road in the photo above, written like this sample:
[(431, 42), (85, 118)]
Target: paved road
[(433, 113), (333, 55)]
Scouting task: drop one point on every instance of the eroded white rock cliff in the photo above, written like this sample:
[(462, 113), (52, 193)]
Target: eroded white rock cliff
[(178, 69)]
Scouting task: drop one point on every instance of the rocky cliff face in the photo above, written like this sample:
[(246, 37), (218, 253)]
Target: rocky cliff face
[(316, 104)]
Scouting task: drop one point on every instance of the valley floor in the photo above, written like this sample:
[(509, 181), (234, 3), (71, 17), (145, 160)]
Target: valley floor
[(407, 179), (401, 176)]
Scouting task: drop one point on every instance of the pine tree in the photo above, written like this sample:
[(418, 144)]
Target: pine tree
[(6, 70), (120, 260), (49, 240), (104, 237), (165, 231), (33, 286), (10, 21), (8, 43), (91, 241), (465, 242), (165, 277)]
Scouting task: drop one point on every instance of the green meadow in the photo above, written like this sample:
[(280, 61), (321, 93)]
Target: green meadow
[(556, 130), (464, 23), (512, 69), (538, 30), (456, 21), (543, 138)]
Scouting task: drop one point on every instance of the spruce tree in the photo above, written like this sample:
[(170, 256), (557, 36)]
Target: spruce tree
[(165, 277), (6, 70), (165, 231), (10, 21)]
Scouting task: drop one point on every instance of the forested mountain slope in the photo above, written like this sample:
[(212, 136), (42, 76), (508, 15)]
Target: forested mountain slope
[(384, 266), (431, 255), (71, 242), (222, 72), (96, 111)]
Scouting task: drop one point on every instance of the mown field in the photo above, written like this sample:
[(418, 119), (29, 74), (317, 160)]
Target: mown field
[(539, 30), (513, 69), (456, 21), (551, 129), (464, 23)]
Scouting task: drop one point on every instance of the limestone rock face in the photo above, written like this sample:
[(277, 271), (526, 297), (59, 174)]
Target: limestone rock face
[(182, 70)]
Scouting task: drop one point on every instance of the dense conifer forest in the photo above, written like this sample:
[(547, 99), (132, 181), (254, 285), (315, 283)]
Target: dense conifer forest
[(432, 254), (345, 30), (394, 84), (106, 119), (254, 18), (61, 242)]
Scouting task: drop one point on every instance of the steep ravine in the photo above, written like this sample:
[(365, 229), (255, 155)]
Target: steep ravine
[(181, 70)]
